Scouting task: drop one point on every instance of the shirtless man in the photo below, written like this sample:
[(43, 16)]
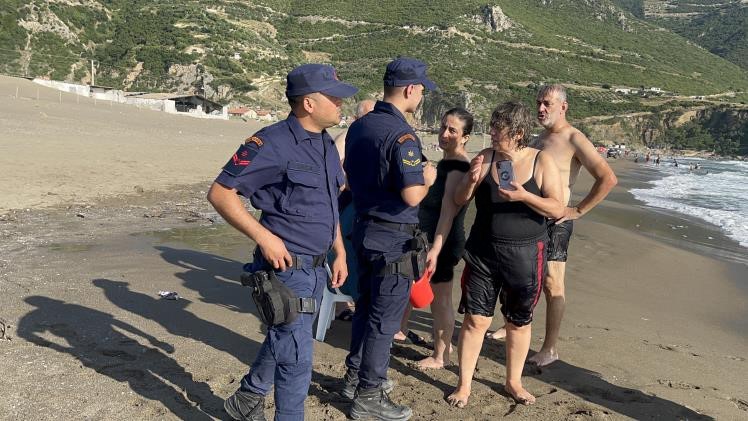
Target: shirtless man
[(571, 150)]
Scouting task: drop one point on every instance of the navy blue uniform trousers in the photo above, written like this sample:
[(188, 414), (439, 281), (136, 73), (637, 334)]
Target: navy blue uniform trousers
[(285, 358), (381, 303)]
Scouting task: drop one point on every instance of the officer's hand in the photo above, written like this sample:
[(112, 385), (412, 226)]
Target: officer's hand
[(274, 251), (429, 174), (476, 165), (339, 272), (431, 259)]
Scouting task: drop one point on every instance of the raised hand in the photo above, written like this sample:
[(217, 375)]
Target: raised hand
[(476, 165)]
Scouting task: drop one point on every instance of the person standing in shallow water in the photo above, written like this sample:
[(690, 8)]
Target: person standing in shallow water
[(444, 223), (505, 254)]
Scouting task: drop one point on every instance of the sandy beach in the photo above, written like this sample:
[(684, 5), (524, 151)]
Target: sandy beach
[(102, 206)]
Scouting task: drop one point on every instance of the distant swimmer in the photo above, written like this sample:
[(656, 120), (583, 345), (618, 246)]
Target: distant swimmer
[(571, 150)]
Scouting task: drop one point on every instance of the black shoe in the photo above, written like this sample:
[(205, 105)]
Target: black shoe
[(376, 403), (245, 406), (350, 383)]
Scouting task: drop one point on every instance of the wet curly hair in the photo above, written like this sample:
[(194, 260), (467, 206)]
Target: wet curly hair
[(514, 116)]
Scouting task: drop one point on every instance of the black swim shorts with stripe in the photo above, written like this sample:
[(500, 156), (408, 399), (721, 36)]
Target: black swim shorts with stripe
[(560, 235), (511, 273)]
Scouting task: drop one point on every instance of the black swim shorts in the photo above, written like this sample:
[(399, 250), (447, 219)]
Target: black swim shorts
[(559, 235), (445, 265), (510, 272)]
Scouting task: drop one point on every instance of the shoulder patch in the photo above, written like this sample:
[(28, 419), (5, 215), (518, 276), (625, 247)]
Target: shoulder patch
[(241, 160), (410, 158), (406, 137), (254, 139)]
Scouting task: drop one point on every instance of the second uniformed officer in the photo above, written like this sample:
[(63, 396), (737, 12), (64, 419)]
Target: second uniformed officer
[(291, 172), (388, 179)]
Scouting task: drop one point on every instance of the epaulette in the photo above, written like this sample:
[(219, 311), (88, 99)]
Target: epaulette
[(254, 139), (406, 137)]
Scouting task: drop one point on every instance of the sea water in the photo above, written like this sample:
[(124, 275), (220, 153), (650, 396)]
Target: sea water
[(717, 192)]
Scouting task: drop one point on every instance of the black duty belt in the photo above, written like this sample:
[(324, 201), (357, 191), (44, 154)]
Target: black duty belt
[(409, 229), (317, 261), (306, 305)]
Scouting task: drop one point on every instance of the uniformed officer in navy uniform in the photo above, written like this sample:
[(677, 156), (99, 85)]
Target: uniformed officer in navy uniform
[(388, 178), (291, 172)]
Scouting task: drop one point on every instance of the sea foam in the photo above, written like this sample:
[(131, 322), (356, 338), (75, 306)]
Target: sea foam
[(716, 193)]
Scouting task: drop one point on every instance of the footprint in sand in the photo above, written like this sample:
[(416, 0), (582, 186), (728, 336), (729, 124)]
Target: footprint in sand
[(740, 403), (734, 358), (674, 384), (585, 326)]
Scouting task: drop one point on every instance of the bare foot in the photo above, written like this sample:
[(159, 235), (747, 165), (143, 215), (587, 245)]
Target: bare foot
[(400, 336), (519, 394), (498, 334), (458, 398), (543, 358), (430, 363)]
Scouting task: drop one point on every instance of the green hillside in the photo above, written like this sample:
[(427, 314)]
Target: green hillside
[(720, 26), (479, 53)]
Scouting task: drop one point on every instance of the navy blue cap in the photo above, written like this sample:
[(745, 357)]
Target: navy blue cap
[(406, 71), (309, 78)]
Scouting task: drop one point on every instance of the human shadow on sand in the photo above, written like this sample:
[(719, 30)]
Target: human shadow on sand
[(589, 386), (120, 351), (215, 278), (177, 320)]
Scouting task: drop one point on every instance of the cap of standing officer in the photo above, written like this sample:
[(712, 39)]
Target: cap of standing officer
[(291, 172), (387, 179)]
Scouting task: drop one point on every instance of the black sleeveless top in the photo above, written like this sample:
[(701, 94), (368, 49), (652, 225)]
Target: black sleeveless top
[(431, 206), (498, 219)]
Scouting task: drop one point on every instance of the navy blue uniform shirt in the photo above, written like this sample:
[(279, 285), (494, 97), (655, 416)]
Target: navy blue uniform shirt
[(293, 177), (382, 156)]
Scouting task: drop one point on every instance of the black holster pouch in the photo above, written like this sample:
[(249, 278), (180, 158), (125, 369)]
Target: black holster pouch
[(412, 264), (276, 303)]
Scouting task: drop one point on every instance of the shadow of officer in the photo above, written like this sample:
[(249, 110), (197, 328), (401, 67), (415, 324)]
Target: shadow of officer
[(176, 319), (112, 347), (384, 165), (214, 277), (291, 172)]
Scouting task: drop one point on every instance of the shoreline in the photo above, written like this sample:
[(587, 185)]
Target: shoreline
[(688, 232)]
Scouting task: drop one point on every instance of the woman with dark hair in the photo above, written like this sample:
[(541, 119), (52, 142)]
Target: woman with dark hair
[(443, 222), (516, 188)]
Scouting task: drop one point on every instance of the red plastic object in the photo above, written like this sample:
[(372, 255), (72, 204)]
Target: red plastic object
[(421, 293)]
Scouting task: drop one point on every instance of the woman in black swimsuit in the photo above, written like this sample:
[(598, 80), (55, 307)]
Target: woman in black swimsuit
[(505, 254), (444, 223)]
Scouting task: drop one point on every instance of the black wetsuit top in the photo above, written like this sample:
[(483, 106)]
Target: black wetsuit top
[(431, 206), (497, 219)]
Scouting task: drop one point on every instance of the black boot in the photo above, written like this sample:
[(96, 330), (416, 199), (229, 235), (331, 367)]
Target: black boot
[(245, 406), (377, 404), (350, 383)]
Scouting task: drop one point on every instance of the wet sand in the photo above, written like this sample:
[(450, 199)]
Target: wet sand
[(654, 329)]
